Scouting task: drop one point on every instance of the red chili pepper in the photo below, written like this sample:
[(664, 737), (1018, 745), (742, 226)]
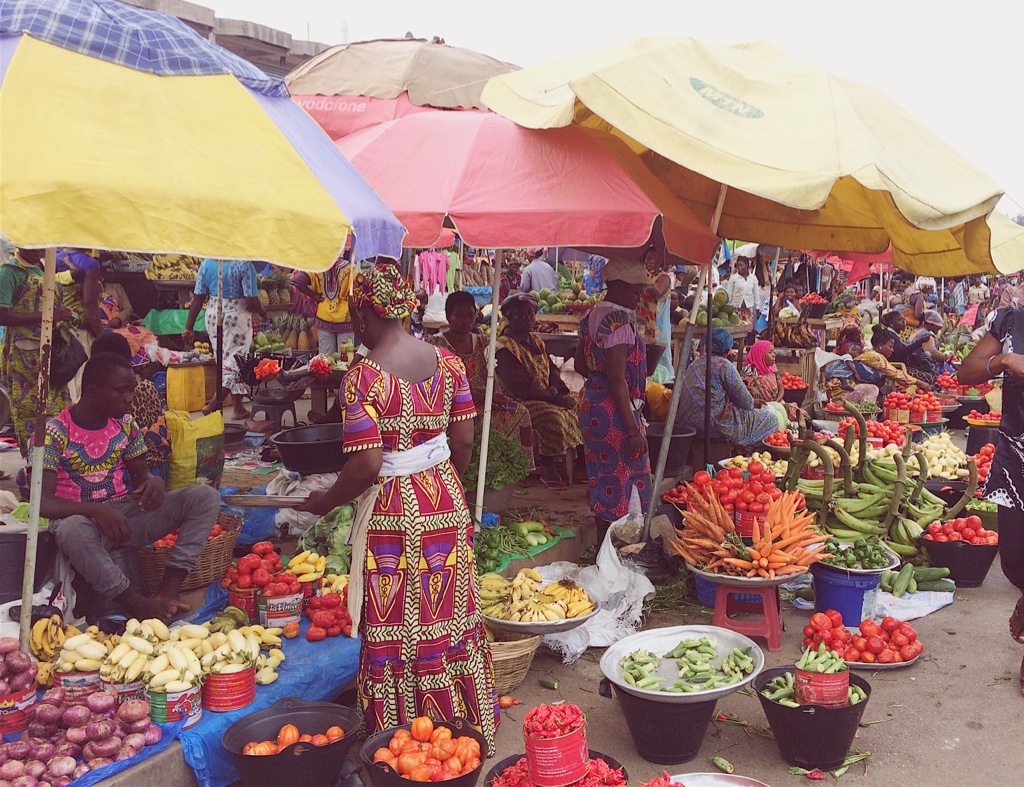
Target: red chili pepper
[(816, 776)]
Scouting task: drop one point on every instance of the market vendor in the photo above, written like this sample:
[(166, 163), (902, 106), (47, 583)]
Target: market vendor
[(118, 313), (93, 453), (329, 291), (734, 415), (905, 353), (508, 416), (761, 375), (80, 294), (241, 301), (613, 356), (883, 344), (653, 313), (529, 376), (21, 295), (999, 352), (929, 361), (408, 434)]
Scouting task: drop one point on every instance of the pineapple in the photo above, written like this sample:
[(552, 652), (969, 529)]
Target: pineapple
[(292, 340), (264, 296), (274, 297), (304, 342), (285, 295)]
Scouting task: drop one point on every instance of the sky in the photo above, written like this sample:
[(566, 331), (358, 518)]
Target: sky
[(960, 72)]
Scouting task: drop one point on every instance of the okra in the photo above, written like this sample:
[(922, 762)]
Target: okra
[(627, 676), (648, 682), (722, 764), (548, 683), (789, 703)]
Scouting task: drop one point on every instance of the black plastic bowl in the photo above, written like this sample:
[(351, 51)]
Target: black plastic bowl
[(812, 736), (320, 766), (383, 775), (968, 564), (508, 762), (309, 450)]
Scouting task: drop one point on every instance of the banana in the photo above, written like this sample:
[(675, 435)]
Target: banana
[(135, 669), (160, 630), (93, 651), (176, 658), (853, 523), (189, 631), (301, 568), (160, 663), (532, 574), (300, 558), (75, 642), (139, 644)]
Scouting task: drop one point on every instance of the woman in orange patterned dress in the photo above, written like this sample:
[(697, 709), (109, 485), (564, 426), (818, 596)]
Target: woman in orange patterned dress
[(408, 417)]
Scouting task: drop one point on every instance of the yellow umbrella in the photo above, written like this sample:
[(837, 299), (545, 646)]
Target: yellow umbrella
[(760, 145)]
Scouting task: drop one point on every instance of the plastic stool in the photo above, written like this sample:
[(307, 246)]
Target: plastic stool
[(769, 607), (275, 412)]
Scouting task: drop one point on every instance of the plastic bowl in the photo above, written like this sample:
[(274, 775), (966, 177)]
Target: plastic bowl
[(255, 439), (968, 564)]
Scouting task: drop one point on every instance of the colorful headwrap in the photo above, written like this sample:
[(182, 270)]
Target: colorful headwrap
[(756, 356), (721, 341), (385, 289)]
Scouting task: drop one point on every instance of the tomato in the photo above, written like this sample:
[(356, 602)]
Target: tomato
[(776, 493), (875, 644), (935, 528), (768, 479), (899, 640), (885, 657), (974, 522), (422, 728), (959, 525), (316, 633), (835, 616), (810, 631), (421, 773), (287, 735), (840, 635), (320, 740), (757, 508), (969, 534), (917, 646), (260, 577), (869, 628), (735, 473), (702, 477), (941, 538), (908, 631), (334, 733), (852, 654), (821, 621), (868, 657), (890, 624), (742, 505), (244, 582)]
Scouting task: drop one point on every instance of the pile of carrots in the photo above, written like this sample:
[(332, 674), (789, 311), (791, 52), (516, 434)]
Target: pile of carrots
[(788, 543)]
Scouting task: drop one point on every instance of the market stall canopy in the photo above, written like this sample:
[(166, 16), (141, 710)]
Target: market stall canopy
[(809, 159), (349, 87), (504, 186), (124, 129)]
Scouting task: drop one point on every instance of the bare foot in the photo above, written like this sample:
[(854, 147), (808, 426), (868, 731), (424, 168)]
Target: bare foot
[(240, 415)]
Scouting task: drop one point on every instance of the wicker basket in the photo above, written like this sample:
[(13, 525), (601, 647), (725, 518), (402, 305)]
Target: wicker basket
[(213, 561), (512, 661)]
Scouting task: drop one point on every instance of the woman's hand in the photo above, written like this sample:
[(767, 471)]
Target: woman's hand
[(1013, 363), (188, 335), (317, 503), (636, 445)]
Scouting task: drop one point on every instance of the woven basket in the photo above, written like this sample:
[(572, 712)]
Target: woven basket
[(213, 562), (512, 661)]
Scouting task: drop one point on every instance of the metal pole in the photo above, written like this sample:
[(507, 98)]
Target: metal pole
[(716, 219), (38, 438), (485, 421), (220, 335)]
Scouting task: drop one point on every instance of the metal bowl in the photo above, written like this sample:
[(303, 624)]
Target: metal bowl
[(661, 641), (534, 628), (309, 450), (742, 582)]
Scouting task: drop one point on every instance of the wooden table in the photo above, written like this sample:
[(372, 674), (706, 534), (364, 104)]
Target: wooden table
[(739, 332)]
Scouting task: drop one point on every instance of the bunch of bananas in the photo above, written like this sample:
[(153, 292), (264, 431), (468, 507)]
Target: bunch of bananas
[(48, 635), (84, 652), (229, 618), (335, 583), (165, 267), (308, 566), (794, 334), (523, 601)]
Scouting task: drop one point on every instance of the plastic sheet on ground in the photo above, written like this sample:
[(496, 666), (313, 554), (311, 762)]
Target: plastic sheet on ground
[(618, 588), (171, 731), (912, 605), (560, 533), (314, 671)]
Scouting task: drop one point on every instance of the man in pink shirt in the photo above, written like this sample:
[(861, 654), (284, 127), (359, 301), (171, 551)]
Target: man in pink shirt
[(100, 497)]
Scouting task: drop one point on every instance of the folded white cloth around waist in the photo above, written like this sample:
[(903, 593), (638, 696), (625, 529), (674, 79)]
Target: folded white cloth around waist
[(417, 459)]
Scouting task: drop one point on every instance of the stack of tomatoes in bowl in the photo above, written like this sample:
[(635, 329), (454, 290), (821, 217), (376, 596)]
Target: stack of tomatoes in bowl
[(968, 529), (792, 382)]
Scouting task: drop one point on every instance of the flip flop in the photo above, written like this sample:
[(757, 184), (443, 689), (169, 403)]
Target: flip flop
[(554, 486)]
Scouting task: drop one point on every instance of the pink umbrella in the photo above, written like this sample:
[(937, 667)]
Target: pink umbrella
[(503, 186)]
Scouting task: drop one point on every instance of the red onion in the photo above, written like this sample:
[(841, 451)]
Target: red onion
[(18, 750), (25, 781), (136, 740), (23, 681), (43, 752), (99, 730), (98, 762), (137, 726), (153, 734), (101, 701), (5, 687), (9, 644), (61, 781), (105, 748), (55, 696), (69, 750), (35, 768), (48, 714), (125, 753), (3, 668), (75, 716), (80, 771), (12, 769), (133, 710), (77, 735), (18, 661), (61, 766), (37, 729)]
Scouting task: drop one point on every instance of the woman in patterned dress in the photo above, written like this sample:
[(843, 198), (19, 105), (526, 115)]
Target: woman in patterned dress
[(613, 355), (408, 434), (761, 375), (527, 375), (1001, 351)]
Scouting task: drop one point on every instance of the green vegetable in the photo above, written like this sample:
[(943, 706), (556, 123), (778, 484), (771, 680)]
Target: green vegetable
[(506, 462), (549, 683), (327, 537), (722, 764)]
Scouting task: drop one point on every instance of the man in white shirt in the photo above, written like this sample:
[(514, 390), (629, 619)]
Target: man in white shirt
[(742, 289), (978, 292), (539, 274)]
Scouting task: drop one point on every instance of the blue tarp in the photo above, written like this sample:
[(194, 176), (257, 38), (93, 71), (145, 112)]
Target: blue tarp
[(314, 671)]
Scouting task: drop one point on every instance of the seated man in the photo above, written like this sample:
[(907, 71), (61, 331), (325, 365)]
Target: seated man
[(93, 452)]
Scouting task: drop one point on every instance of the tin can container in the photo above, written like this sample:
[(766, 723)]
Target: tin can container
[(136, 690), (830, 690), (245, 600), (167, 708), (279, 610), (554, 762), (16, 710), (77, 684), (229, 692)]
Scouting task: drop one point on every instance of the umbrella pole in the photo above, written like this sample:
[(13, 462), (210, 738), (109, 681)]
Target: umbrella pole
[(485, 421), (715, 221), (38, 438), (673, 405), (219, 396)]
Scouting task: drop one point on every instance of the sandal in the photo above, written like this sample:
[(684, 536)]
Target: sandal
[(1017, 623), (554, 486)]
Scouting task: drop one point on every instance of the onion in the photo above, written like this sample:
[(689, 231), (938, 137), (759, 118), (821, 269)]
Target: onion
[(125, 753), (107, 747), (80, 771), (5, 783), (23, 681), (48, 714), (101, 701), (99, 730), (18, 661), (25, 781), (37, 729), (35, 768), (77, 735), (43, 752), (136, 741), (12, 769), (9, 644), (3, 668), (61, 766), (140, 725), (153, 734), (69, 750), (55, 696), (18, 750), (5, 687), (98, 762), (75, 716), (133, 710)]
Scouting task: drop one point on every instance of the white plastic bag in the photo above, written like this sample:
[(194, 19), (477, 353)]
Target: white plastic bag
[(292, 523), (619, 590)]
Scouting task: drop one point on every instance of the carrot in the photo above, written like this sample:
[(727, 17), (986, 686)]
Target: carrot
[(738, 562), (754, 553), (762, 573), (785, 570), (756, 531)]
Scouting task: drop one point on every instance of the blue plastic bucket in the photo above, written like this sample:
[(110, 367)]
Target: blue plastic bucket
[(853, 595), (707, 592)]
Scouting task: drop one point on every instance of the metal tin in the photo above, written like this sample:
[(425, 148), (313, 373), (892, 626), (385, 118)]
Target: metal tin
[(229, 692)]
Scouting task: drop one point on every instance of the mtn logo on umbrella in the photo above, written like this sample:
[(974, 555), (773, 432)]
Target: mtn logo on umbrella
[(723, 100)]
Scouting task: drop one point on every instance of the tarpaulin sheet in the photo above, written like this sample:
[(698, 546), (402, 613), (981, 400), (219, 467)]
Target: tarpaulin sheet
[(314, 671)]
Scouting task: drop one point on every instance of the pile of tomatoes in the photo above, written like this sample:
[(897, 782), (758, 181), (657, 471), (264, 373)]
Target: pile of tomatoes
[(813, 297), (425, 753), (172, 538), (993, 417), (983, 459), (779, 440), (328, 616), (897, 400), (887, 431), (888, 642), (948, 382), (261, 568), (288, 735), (738, 493), (967, 529), (792, 382), (925, 403)]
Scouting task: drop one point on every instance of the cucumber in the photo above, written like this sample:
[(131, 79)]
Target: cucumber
[(938, 585), (912, 585), (902, 581), (886, 583), (925, 574)]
